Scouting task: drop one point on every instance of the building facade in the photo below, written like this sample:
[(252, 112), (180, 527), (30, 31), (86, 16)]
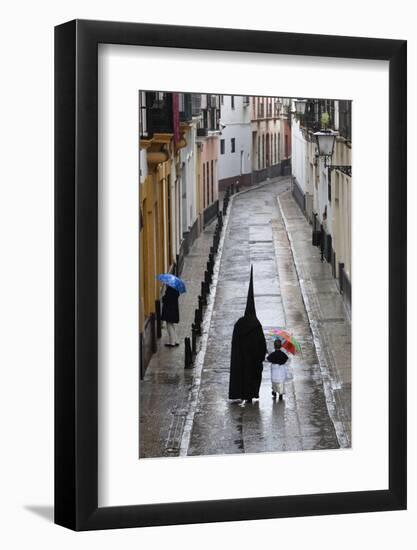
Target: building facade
[(207, 138), (235, 155), (323, 187), (271, 138), (178, 192)]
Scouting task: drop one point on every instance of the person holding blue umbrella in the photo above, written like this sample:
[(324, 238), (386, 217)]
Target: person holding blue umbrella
[(170, 308)]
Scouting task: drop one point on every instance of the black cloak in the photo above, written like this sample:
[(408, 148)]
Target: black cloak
[(170, 310), (248, 352)]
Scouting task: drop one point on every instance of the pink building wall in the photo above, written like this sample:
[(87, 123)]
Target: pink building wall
[(209, 191)]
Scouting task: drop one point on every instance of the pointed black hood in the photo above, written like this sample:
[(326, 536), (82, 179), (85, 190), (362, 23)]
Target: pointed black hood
[(250, 302)]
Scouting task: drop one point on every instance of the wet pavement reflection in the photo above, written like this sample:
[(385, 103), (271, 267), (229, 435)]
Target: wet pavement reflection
[(187, 412), (256, 235)]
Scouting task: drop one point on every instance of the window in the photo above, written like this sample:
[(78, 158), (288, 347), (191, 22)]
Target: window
[(275, 149), (232, 101), (208, 180), (267, 151), (222, 146), (279, 147), (233, 145), (212, 182), (204, 182), (222, 99)]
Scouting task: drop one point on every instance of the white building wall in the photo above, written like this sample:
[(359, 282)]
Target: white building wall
[(188, 180), (322, 197), (238, 126), (299, 156)]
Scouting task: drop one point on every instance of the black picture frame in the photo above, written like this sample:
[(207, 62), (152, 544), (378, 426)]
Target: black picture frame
[(76, 272)]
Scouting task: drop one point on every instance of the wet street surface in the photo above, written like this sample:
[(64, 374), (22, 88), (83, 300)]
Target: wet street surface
[(165, 391), (188, 412), (256, 235)]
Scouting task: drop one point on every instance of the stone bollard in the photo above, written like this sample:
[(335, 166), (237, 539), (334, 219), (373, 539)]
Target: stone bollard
[(210, 272), (197, 322), (207, 281), (203, 293), (193, 340), (188, 354)]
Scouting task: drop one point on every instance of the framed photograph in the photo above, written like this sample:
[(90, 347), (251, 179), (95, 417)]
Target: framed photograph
[(230, 284)]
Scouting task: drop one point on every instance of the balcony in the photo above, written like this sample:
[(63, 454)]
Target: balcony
[(186, 107), (156, 114), (345, 119), (196, 104)]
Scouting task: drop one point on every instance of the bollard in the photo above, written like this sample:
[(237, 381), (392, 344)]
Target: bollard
[(193, 340), (203, 293), (209, 271), (207, 281), (197, 322), (200, 306), (206, 287), (188, 355)]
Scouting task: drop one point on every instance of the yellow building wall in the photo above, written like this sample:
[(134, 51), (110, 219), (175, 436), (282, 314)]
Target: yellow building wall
[(155, 241)]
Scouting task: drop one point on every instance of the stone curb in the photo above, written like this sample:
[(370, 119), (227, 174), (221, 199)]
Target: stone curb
[(342, 436)]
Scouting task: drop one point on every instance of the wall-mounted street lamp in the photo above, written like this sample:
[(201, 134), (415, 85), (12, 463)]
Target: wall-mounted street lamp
[(325, 140), (300, 106)]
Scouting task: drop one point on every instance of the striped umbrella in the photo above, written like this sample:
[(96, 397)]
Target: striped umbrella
[(289, 342)]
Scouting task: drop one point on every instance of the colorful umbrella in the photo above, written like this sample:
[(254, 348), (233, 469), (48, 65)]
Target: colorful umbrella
[(172, 281), (288, 340)]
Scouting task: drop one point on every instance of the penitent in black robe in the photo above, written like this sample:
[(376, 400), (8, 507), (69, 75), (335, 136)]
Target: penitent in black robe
[(248, 353)]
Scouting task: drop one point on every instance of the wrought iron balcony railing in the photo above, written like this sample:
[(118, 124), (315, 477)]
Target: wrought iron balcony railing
[(185, 107), (156, 114)]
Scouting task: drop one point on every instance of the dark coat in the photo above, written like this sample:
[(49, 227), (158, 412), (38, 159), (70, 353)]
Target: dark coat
[(248, 353), (170, 310), (278, 357)]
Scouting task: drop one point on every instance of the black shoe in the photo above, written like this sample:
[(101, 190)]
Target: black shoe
[(281, 397), (274, 394), (176, 344), (170, 345)]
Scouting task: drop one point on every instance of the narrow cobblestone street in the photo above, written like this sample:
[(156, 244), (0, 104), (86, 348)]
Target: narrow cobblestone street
[(187, 412)]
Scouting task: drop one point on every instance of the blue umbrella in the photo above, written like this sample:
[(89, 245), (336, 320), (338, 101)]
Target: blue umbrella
[(172, 281)]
